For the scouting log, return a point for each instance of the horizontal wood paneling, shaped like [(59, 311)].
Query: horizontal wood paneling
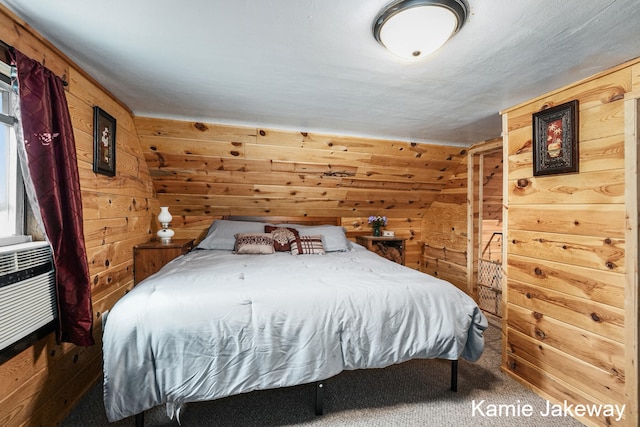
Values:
[(557, 391), (204, 171), (444, 253), (595, 317), (42, 384), (586, 251), (600, 187), (595, 285), (586, 220), (566, 253), (604, 386), (570, 339), (492, 174)]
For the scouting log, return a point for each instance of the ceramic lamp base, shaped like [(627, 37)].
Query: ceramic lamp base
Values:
[(165, 235)]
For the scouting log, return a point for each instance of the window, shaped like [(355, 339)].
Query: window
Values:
[(12, 202), (27, 282)]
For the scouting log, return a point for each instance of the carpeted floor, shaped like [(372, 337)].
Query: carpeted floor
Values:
[(414, 393)]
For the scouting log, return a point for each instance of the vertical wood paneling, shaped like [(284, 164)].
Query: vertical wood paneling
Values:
[(566, 325), (40, 385)]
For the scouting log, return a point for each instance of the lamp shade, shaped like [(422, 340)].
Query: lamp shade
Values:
[(164, 217), (413, 29)]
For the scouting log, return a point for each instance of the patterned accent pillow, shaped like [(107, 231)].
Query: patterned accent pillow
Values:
[(334, 238), (303, 245), (281, 236), (254, 243)]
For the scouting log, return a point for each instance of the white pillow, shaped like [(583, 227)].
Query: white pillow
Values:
[(334, 238), (222, 232)]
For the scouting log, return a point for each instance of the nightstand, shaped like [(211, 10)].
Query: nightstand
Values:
[(392, 248), (150, 257)]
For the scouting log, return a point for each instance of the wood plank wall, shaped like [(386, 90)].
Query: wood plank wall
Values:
[(444, 226), (203, 171), (492, 174), (565, 319), (40, 385)]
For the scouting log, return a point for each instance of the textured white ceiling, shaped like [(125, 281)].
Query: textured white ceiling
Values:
[(312, 65)]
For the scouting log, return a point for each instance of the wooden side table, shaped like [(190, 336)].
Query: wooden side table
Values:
[(392, 248), (150, 257)]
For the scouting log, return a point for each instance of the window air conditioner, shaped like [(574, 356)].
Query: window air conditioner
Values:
[(27, 291)]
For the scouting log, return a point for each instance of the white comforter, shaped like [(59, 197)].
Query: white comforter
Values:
[(212, 324)]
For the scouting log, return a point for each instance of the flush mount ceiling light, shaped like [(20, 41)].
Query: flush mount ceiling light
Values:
[(415, 28)]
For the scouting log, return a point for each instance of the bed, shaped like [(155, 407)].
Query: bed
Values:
[(261, 304)]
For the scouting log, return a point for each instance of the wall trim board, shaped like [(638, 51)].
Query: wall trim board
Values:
[(505, 236), (632, 238)]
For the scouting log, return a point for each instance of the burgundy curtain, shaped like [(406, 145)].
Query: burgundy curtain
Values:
[(53, 169)]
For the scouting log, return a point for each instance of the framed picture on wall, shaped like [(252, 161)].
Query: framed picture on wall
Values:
[(104, 142), (555, 139)]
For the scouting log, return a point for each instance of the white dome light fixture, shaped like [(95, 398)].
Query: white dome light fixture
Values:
[(413, 29)]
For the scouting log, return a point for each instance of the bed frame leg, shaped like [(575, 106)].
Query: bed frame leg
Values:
[(319, 397), (454, 375), (140, 419)]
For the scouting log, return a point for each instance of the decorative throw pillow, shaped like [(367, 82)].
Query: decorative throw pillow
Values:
[(334, 238), (303, 245), (254, 243), (281, 236)]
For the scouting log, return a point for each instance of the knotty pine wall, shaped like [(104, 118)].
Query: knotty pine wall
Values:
[(444, 225), (40, 385), (201, 171), (565, 322), (445, 231), (491, 176), (204, 171), (565, 317)]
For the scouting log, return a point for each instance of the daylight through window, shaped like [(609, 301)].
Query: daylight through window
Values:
[(11, 187)]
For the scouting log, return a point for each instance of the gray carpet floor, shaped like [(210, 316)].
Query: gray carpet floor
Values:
[(415, 393)]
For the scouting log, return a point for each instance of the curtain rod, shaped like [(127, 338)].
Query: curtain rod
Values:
[(4, 44)]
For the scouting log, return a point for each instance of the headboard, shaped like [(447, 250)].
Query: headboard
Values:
[(302, 220)]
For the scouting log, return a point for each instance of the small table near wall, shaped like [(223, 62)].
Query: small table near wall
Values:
[(150, 257), (392, 248)]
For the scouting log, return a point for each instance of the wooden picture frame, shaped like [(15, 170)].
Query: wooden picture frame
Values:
[(104, 142), (555, 139)]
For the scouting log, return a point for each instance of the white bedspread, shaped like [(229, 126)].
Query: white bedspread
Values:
[(212, 324)]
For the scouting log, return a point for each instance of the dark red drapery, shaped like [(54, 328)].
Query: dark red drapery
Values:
[(51, 156)]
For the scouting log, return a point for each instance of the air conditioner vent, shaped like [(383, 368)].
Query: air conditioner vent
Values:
[(27, 291)]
